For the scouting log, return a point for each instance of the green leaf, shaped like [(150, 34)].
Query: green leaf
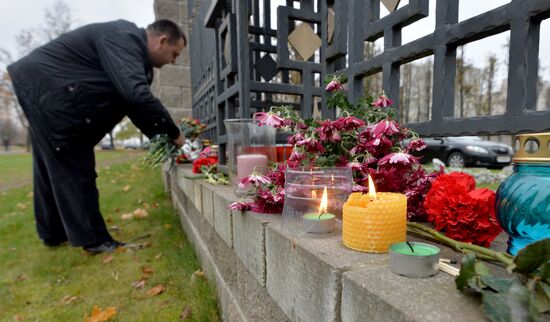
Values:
[(532, 256), (495, 307), (497, 284), (514, 305), (542, 297), (545, 272), (467, 272), (481, 269)]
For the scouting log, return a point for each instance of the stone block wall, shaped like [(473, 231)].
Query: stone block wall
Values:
[(261, 273), (172, 84)]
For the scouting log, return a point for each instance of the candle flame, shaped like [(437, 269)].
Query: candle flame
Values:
[(324, 202), (313, 194), (372, 190)]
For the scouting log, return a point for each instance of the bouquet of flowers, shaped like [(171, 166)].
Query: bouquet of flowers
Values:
[(365, 137), (190, 127), (162, 148)]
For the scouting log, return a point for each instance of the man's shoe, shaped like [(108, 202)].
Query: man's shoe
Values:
[(104, 247)]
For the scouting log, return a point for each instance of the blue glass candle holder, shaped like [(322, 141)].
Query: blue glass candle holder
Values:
[(523, 199)]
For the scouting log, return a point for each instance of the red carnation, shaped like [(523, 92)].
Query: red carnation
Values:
[(207, 161), (460, 211)]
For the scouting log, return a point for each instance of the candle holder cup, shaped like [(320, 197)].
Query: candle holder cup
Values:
[(303, 195), (523, 199), (249, 146)]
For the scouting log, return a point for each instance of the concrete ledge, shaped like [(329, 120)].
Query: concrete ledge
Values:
[(263, 273)]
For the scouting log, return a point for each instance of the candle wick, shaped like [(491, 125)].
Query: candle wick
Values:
[(410, 246)]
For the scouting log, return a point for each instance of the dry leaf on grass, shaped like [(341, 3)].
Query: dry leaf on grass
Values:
[(21, 206), (198, 275), (21, 277), (156, 290), (145, 205), (30, 194), (99, 315), (113, 181), (68, 299), (127, 216), (139, 284), (186, 313), (140, 213), (107, 259), (155, 204), (126, 188), (159, 255), (167, 226), (147, 270)]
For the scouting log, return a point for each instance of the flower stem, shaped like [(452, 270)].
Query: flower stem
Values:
[(480, 252)]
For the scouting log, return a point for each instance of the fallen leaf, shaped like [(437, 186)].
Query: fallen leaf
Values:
[(116, 209), (21, 206), (139, 284), (68, 299), (198, 274), (163, 304), (113, 181), (107, 167), (114, 228), (155, 204), (140, 213), (145, 205), (127, 216), (21, 278), (99, 315), (147, 270), (107, 259), (18, 318), (126, 188), (158, 256), (186, 313), (167, 226), (109, 220), (121, 250), (156, 290), (30, 194)]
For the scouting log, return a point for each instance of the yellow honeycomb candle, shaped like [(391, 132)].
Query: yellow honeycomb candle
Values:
[(374, 225)]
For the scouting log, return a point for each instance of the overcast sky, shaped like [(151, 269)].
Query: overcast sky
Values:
[(16, 15), (20, 14)]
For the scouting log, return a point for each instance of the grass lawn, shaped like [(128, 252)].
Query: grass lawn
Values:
[(17, 167), (64, 283)]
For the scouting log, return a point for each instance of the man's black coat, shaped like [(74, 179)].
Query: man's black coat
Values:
[(80, 85)]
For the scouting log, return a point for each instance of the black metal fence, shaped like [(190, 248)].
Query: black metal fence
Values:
[(243, 61)]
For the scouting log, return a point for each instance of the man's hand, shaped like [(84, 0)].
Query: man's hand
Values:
[(180, 140)]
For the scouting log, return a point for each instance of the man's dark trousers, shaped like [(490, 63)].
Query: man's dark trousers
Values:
[(66, 200)]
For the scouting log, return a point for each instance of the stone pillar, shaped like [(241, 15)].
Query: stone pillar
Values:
[(172, 83)]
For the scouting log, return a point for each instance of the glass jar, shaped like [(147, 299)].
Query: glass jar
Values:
[(304, 190), (523, 199), (249, 146)]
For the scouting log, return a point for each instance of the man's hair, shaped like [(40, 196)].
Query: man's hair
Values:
[(168, 28)]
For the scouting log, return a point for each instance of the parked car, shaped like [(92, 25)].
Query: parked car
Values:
[(131, 145), (467, 151), (107, 146)]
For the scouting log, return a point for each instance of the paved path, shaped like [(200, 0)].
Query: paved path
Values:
[(100, 164)]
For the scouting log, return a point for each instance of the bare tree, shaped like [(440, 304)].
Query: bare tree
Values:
[(462, 86), (57, 20), (490, 73)]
